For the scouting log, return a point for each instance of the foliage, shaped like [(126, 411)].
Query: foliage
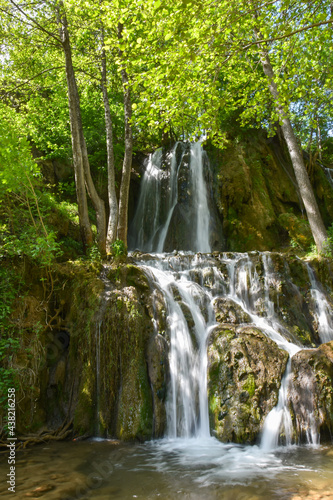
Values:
[(118, 248), (23, 206), (94, 254), (298, 230), (194, 68)]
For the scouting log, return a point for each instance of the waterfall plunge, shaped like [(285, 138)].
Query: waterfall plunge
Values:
[(189, 297)]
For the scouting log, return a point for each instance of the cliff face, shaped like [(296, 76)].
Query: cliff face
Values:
[(256, 194)]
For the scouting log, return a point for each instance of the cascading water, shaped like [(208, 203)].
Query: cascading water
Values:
[(173, 180), (199, 187), (99, 321), (244, 290), (190, 285), (187, 407)]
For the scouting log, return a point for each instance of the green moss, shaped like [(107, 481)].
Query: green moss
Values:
[(249, 385), (85, 414)]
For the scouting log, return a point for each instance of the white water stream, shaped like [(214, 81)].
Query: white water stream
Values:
[(159, 195)]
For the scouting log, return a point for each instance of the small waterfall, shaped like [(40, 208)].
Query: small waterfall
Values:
[(279, 418), (268, 276), (170, 181), (148, 209), (202, 210), (323, 311), (98, 331), (187, 405), (190, 285), (245, 290), (172, 200), (98, 382)]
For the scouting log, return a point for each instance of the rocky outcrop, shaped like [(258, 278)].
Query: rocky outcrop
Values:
[(311, 392), (256, 193), (98, 361), (158, 371), (95, 345), (244, 375), (228, 311)]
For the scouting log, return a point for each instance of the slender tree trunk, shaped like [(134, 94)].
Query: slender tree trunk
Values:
[(127, 163), (111, 234), (319, 142), (80, 154), (303, 181)]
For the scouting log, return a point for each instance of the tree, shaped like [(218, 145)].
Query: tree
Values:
[(314, 217), (42, 18)]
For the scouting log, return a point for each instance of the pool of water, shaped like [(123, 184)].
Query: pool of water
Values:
[(169, 469)]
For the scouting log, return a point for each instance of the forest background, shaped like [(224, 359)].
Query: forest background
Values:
[(89, 84)]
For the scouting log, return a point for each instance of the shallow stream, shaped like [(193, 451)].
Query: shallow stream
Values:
[(169, 469)]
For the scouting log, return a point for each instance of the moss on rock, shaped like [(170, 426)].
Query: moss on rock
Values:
[(244, 375)]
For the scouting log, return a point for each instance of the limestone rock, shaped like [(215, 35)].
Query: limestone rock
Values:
[(158, 370), (244, 376), (227, 311), (311, 391)]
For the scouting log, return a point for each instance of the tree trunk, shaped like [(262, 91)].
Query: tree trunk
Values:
[(111, 234), (127, 163), (319, 141), (303, 181), (85, 227), (80, 154)]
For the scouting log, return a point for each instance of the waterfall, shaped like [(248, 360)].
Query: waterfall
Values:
[(187, 405), (323, 311), (98, 381), (173, 180), (148, 208), (202, 210), (172, 199), (244, 290), (105, 296), (190, 284)]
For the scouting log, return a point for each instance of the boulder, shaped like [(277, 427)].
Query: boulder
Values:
[(244, 376), (311, 392)]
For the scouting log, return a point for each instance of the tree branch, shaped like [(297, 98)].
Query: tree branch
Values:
[(29, 80), (258, 42), (31, 19)]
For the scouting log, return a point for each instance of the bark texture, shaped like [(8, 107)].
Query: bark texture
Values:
[(127, 163), (111, 234), (83, 177)]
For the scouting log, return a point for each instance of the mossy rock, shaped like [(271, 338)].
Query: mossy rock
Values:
[(311, 391), (245, 369)]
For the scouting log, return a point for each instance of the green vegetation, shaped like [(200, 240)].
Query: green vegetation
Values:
[(9, 343), (147, 72)]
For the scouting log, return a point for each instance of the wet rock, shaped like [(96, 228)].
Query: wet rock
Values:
[(227, 311), (311, 392), (244, 376), (40, 491), (158, 370)]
